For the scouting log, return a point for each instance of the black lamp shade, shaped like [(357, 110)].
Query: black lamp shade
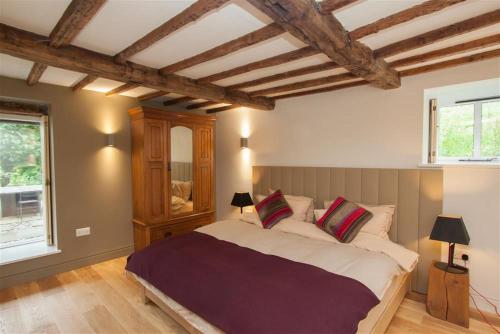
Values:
[(450, 229), (241, 199)]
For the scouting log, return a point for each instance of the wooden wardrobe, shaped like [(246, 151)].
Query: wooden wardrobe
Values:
[(173, 173)]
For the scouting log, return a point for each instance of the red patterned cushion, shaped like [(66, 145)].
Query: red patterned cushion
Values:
[(272, 209), (343, 219)]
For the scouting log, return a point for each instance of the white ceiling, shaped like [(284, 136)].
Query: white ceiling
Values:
[(119, 23)]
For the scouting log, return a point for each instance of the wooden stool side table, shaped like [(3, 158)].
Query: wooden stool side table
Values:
[(448, 293)]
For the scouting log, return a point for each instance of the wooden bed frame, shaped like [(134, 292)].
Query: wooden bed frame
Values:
[(376, 322), (416, 193)]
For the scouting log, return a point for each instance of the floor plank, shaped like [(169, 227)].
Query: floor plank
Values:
[(102, 299)]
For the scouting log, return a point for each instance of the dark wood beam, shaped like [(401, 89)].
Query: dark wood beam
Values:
[(151, 95), (328, 6), (268, 62), (189, 15), (35, 74), (451, 63), (449, 51), (405, 73), (84, 82), (73, 20), (322, 90), (249, 39), (436, 35), (122, 88), (382, 24), (178, 100), (304, 84), (436, 54), (286, 75), (22, 108), (201, 105), (27, 45), (406, 15), (219, 109), (302, 19)]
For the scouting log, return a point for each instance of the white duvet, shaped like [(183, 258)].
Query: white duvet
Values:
[(368, 259)]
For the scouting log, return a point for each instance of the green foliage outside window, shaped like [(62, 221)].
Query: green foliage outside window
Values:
[(490, 132), (20, 154), (456, 131)]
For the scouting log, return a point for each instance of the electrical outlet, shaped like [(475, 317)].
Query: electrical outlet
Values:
[(80, 232), (458, 254)]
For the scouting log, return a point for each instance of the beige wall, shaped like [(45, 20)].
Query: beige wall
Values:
[(92, 183), (362, 127)]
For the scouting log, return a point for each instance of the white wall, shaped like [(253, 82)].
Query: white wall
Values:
[(360, 127)]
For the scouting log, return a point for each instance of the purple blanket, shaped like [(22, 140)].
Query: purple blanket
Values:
[(240, 290)]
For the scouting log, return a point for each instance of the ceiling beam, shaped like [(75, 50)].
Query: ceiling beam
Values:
[(382, 24), (431, 55), (188, 15), (178, 100), (405, 73), (27, 45), (451, 63), (121, 89), (328, 6), (219, 109), (302, 19), (322, 90), (433, 36), (403, 16), (152, 95), (268, 62), (436, 54), (35, 74), (75, 17), (449, 51), (286, 75), (269, 31), (84, 82), (304, 84), (201, 105)]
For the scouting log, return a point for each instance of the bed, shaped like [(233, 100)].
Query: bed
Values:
[(383, 272)]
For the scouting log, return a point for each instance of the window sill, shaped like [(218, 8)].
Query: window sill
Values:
[(26, 252), (461, 164)]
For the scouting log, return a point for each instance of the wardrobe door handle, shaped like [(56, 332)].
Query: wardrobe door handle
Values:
[(168, 234)]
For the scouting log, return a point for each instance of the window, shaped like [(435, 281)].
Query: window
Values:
[(468, 131), (25, 210)]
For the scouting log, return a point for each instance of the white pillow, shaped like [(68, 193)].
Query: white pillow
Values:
[(378, 225), (302, 207)]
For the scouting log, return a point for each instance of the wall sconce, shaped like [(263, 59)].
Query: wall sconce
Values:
[(244, 142), (110, 140)]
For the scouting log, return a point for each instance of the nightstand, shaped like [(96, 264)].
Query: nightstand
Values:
[(448, 293)]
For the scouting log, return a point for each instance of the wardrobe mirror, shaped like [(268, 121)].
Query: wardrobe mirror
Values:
[(181, 164)]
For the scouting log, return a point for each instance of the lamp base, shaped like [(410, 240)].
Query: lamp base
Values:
[(455, 268)]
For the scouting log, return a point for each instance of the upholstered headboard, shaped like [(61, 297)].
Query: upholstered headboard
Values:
[(182, 171), (417, 194)]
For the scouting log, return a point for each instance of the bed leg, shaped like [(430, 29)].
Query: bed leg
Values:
[(145, 298)]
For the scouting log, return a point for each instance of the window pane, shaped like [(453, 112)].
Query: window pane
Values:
[(490, 133), (456, 131), (21, 191)]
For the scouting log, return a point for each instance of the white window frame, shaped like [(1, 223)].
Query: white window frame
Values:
[(434, 136)]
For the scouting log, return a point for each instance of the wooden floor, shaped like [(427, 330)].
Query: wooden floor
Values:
[(101, 299)]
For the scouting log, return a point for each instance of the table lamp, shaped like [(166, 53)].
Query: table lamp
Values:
[(452, 230), (241, 200)]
